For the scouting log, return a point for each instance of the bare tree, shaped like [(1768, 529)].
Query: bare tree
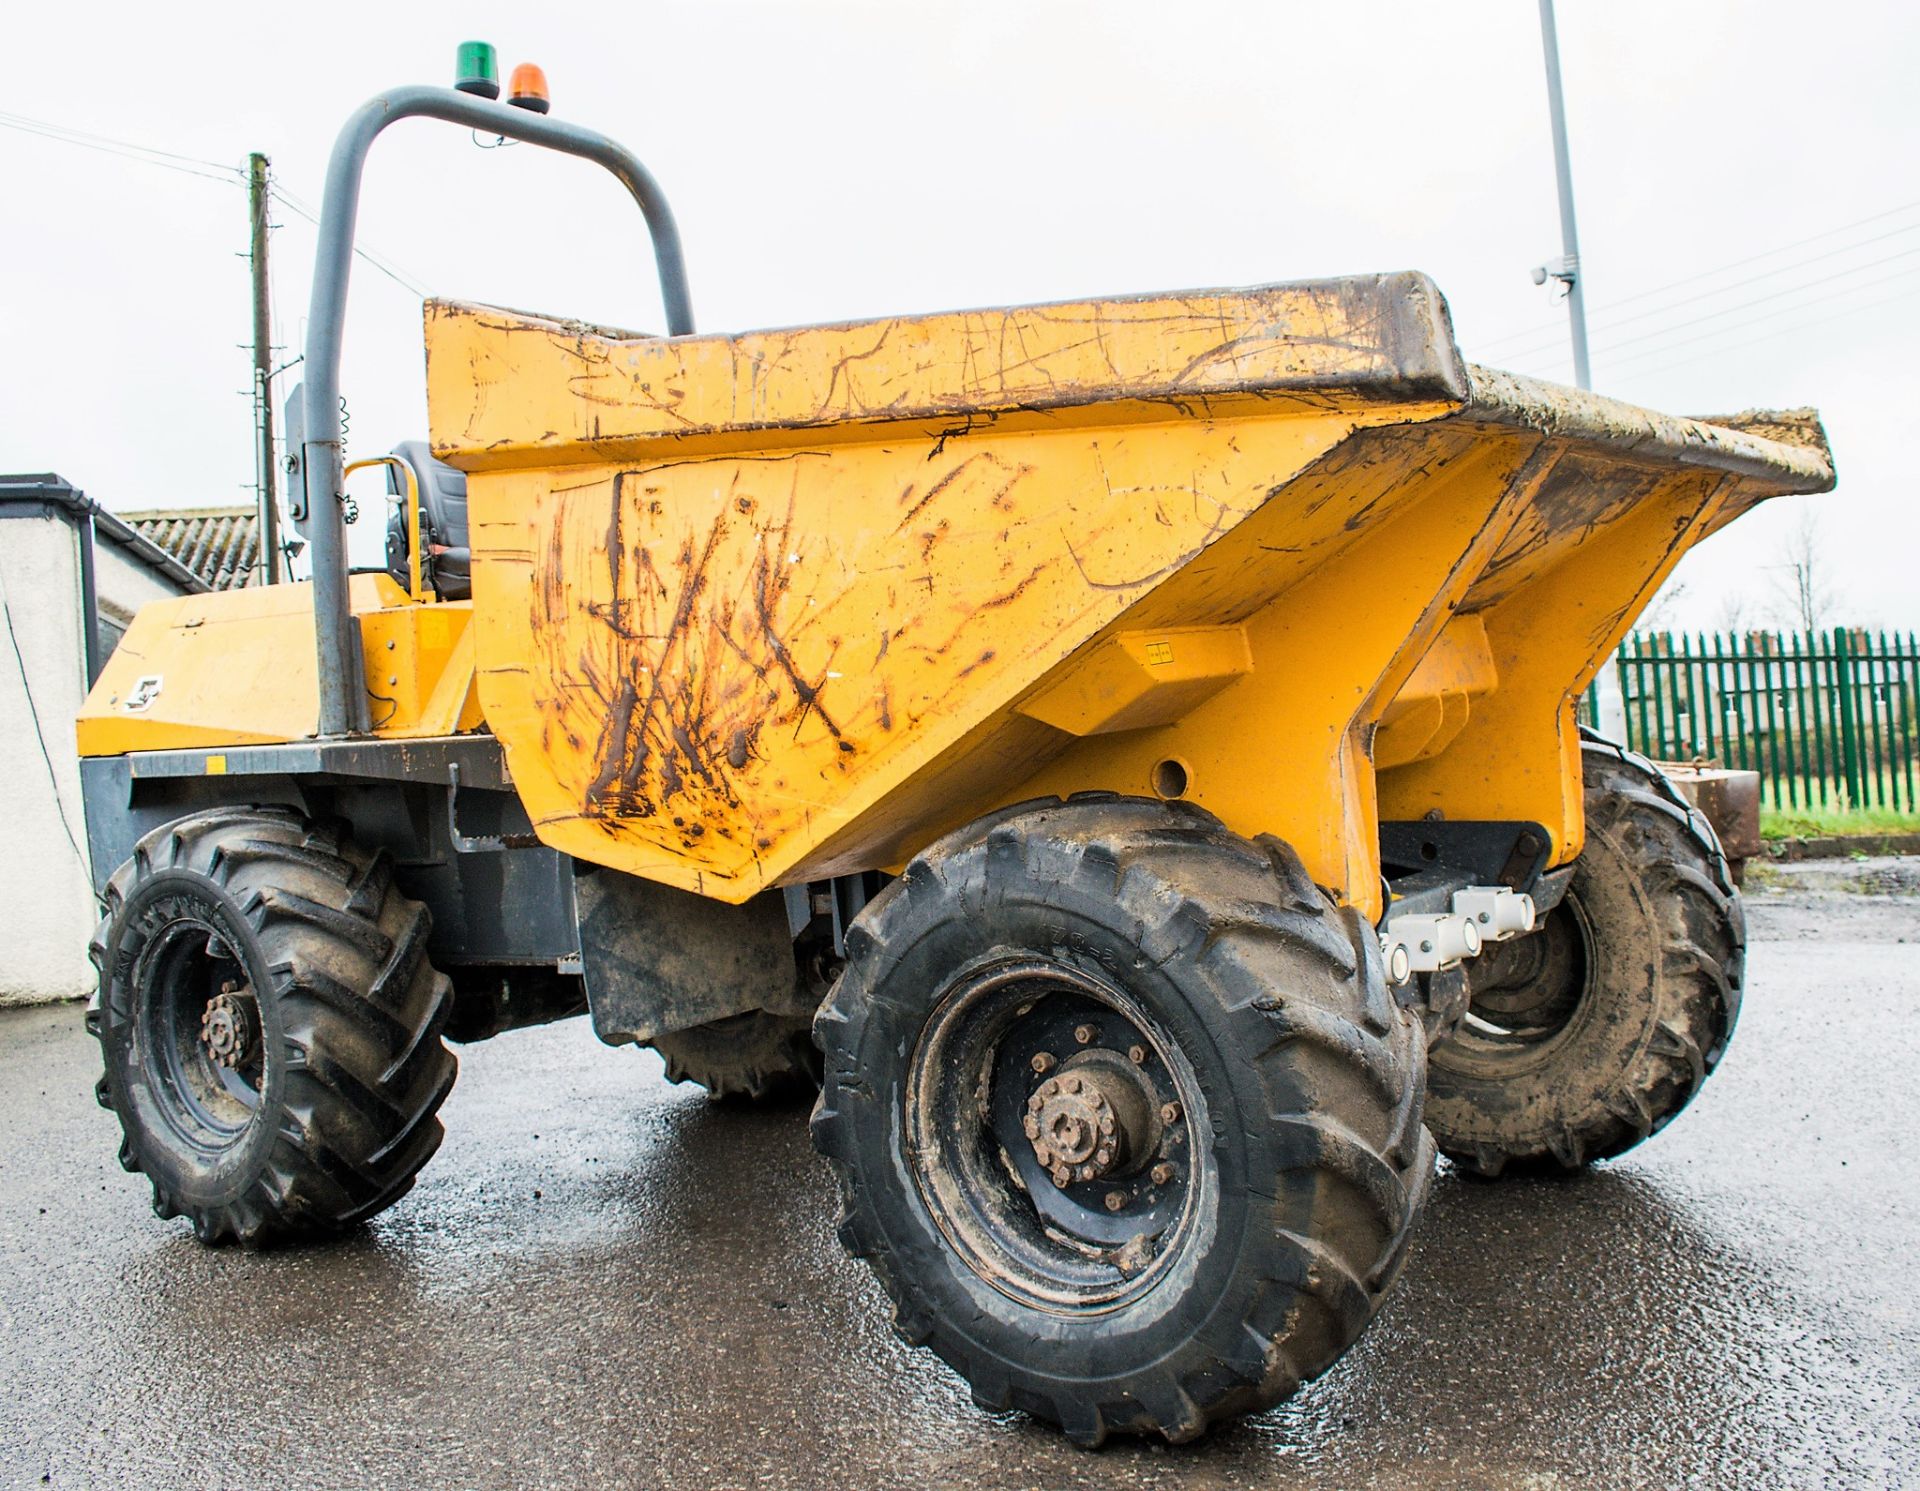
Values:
[(1802, 577), (1663, 611), (1735, 615)]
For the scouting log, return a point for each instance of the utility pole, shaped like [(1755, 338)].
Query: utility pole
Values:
[(268, 496), (1567, 270)]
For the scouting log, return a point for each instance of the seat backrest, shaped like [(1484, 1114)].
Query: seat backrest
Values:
[(447, 560)]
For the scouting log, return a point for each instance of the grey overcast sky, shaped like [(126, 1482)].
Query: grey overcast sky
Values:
[(838, 160)]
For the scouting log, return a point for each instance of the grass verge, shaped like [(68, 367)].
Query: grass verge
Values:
[(1835, 823)]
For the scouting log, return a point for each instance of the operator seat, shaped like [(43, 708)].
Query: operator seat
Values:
[(447, 562)]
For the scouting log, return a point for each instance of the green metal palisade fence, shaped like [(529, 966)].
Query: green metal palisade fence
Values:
[(1828, 719)]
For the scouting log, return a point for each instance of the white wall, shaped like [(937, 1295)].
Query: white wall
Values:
[(121, 585), (46, 899)]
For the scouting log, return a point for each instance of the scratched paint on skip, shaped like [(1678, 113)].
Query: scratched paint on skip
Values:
[(1294, 344), (738, 643), (727, 652)]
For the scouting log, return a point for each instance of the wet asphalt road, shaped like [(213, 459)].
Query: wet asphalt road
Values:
[(606, 1281)]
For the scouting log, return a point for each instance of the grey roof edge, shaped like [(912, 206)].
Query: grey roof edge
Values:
[(48, 490)]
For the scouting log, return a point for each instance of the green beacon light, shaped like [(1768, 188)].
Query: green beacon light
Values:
[(476, 69)]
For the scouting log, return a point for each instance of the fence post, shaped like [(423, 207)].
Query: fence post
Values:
[(1878, 735), (1772, 666), (1905, 703), (1792, 742), (1849, 727), (1828, 718)]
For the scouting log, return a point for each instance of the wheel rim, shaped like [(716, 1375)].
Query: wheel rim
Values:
[(1510, 1028), (1051, 1127), (201, 1026)]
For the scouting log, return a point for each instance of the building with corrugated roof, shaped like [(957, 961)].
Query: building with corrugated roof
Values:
[(219, 544)]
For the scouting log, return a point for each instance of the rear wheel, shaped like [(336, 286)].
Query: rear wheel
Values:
[(1591, 1034), (1125, 1119), (270, 1025), (758, 1057)]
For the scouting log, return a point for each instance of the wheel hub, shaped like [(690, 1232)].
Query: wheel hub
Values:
[(1065, 1171), (1071, 1124), (229, 1028), (1089, 1120)]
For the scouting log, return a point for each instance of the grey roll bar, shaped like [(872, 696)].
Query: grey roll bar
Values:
[(343, 703)]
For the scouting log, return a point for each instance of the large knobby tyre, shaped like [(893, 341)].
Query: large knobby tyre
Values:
[(270, 1024), (1124, 1117), (1591, 1034), (757, 1057)]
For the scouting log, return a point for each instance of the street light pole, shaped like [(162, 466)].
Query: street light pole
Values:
[(1567, 271)]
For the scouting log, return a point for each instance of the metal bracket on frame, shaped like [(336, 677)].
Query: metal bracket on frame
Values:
[(478, 843)]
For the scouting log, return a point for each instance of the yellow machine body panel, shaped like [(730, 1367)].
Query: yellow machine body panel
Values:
[(764, 608), (236, 667), (759, 609)]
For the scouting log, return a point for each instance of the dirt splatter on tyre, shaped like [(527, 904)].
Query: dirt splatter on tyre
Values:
[(1590, 1035), (757, 1057), (270, 1025), (1125, 1118)]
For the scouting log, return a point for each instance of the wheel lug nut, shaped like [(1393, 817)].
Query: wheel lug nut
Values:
[(1061, 1176), (1170, 1113), (1162, 1173), (1070, 1083), (1032, 1127), (1036, 1103), (1137, 1054), (1086, 1172), (1116, 1200), (1042, 1063), (1083, 1034)]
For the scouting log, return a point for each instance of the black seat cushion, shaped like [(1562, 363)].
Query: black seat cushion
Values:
[(447, 562)]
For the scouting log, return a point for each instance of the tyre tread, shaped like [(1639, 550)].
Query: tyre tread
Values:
[(1677, 856), (1248, 920), (366, 1069)]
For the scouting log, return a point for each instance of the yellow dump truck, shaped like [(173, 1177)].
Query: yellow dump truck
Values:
[(1124, 752)]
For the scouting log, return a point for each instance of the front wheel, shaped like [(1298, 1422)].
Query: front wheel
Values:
[(1124, 1116), (270, 1025), (1591, 1034)]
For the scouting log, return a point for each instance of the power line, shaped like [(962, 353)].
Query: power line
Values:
[(1769, 253), (206, 170), (1786, 310), (365, 251), (1542, 342), (1736, 264), (1663, 341), (1530, 334), (1813, 284), (186, 165), (48, 126), (1780, 331)]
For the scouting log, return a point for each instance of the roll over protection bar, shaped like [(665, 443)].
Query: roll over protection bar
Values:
[(343, 703)]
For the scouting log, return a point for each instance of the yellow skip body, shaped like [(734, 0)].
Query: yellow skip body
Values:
[(765, 608)]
